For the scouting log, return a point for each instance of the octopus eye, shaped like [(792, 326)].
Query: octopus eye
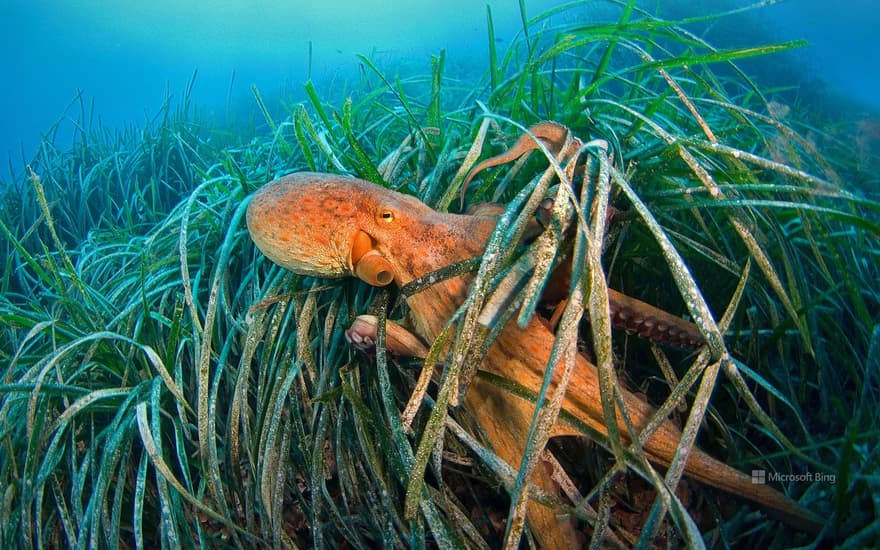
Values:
[(387, 216)]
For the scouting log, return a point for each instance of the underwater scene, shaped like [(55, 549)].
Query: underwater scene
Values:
[(505, 274)]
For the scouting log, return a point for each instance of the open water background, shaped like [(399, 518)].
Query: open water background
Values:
[(127, 54)]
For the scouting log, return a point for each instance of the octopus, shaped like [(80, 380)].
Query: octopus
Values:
[(326, 225)]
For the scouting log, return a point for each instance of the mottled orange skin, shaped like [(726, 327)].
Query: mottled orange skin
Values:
[(306, 221)]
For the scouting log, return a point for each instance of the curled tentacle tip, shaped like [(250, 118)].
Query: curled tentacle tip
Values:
[(464, 187), (364, 333)]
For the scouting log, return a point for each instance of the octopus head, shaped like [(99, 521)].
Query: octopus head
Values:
[(325, 225)]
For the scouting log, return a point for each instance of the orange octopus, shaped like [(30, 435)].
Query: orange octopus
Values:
[(333, 226)]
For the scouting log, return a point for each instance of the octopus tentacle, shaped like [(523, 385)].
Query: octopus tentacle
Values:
[(552, 134), (638, 317), (363, 332)]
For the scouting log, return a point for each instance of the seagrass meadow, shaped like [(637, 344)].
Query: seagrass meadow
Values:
[(164, 384)]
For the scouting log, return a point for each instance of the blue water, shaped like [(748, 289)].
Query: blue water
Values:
[(125, 54)]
